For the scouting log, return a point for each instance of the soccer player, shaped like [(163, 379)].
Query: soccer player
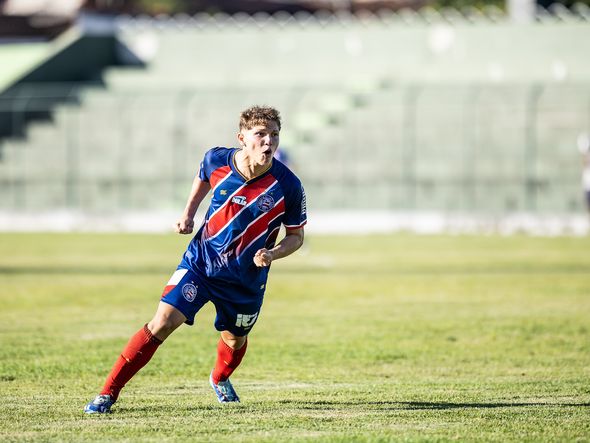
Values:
[(228, 260)]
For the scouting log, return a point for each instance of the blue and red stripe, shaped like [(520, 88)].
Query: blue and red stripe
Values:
[(259, 227), (227, 212)]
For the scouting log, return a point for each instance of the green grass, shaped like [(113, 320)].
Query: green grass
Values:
[(377, 338)]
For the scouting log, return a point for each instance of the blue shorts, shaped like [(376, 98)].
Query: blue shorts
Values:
[(188, 293)]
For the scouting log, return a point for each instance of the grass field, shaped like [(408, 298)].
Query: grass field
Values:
[(377, 338)]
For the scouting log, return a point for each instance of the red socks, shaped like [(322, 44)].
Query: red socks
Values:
[(142, 346), (138, 351), (228, 360)]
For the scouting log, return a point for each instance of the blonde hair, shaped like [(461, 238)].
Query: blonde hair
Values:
[(259, 115)]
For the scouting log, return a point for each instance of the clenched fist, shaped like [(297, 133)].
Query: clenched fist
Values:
[(263, 257), (184, 225)]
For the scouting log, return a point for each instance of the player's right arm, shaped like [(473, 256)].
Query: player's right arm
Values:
[(199, 191)]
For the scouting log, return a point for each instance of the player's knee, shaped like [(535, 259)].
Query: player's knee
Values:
[(162, 327), (165, 321), (233, 341)]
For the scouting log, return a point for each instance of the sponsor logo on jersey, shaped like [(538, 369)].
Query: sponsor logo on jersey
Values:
[(265, 202), (189, 292), (223, 192), (246, 321), (240, 200)]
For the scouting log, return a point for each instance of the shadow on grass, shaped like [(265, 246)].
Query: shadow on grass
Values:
[(327, 405), (445, 405), (413, 405)]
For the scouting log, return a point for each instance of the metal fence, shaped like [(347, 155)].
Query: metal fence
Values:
[(416, 147)]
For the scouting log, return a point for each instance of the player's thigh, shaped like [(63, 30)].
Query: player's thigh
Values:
[(186, 293)]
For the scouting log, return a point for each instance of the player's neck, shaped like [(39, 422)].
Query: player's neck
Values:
[(247, 167)]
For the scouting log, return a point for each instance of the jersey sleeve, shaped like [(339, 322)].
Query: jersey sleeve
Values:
[(208, 165), (295, 208)]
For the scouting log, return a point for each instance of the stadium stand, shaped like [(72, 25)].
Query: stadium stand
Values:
[(427, 111)]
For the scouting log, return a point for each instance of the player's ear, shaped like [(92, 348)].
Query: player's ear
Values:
[(241, 138)]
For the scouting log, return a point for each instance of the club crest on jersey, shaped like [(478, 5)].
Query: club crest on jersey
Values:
[(239, 199), (265, 202), (189, 292)]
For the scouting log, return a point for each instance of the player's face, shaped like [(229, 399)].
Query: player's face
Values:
[(260, 142)]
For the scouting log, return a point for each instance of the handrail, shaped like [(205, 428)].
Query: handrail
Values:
[(426, 15)]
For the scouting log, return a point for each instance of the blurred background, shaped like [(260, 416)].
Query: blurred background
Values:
[(455, 116)]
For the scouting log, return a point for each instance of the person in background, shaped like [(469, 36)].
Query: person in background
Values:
[(584, 148)]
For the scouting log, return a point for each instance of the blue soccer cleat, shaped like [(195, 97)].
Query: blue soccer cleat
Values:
[(100, 405), (224, 390)]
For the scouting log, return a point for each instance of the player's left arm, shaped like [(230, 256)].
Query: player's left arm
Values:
[(292, 241)]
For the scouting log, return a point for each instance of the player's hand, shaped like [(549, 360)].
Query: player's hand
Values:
[(263, 257), (184, 225)]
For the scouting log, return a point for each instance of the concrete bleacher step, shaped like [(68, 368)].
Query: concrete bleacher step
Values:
[(404, 115), (22, 159), (560, 197), (39, 196), (40, 132)]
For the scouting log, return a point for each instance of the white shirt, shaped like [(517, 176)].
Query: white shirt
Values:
[(586, 172), (586, 178)]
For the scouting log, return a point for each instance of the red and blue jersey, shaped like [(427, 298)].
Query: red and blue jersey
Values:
[(244, 216)]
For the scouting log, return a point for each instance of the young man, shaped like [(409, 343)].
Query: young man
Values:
[(228, 260)]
